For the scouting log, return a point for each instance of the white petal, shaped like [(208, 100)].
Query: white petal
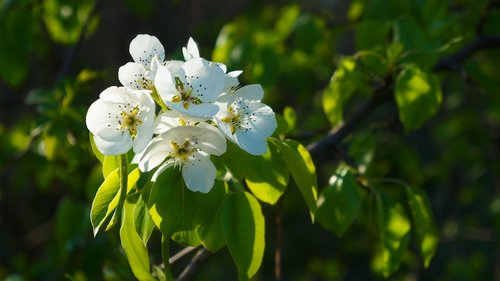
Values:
[(252, 92), (143, 137), (209, 140), (131, 75), (206, 79), (251, 143), (191, 52), (116, 147), (162, 168), (144, 47), (165, 84), (156, 151), (101, 121), (173, 66), (166, 121), (264, 122), (202, 110), (199, 173), (114, 94)]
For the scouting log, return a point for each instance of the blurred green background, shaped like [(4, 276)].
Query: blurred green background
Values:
[(56, 56)]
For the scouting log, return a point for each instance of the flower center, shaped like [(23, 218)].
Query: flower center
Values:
[(233, 119), (181, 152), (184, 94), (130, 121)]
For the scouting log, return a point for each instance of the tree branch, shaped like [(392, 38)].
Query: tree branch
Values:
[(193, 266), (480, 43), (336, 136), (184, 252)]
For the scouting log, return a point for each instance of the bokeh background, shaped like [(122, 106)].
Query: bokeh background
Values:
[(56, 56)]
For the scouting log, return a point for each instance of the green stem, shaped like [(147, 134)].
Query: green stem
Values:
[(165, 252), (156, 97), (122, 170)]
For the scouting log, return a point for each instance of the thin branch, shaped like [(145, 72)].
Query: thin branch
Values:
[(196, 262), (336, 136), (279, 240), (184, 252), (480, 43)]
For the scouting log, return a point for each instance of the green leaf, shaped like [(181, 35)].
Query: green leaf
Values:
[(339, 203), (211, 235), (266, 176), (302, 169), (144, 224), (290, 116), (394, 227), (243, 228), (109, 164), (106, 198), (65, 19), (342, 85), (371, 33), (423, 221), (132, 243), (417, 44), (96, 151), (418, 96), (179, 212)]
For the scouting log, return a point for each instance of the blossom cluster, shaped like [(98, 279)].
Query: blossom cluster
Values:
[(176, 114)]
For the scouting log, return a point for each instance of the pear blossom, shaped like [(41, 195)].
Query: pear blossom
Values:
[(171, 119), (186, 147), (148, 53), (244, 120), (193, 88), (191, 51), (121, 119)]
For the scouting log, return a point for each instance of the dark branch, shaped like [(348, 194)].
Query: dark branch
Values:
[(454, 60), (193, 266), (336, 136)]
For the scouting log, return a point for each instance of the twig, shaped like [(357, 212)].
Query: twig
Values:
[(480, 43), (193, 266), (184, 252), (335, 137), (279, 240)]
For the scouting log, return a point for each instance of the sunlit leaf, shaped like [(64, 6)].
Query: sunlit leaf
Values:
[(266, 176), (394, 227), (339, 203), (134, 246), (302, 169), (179, 212), (107, 196), (423, 220), (342, 85), (243, 228), (418, 96)]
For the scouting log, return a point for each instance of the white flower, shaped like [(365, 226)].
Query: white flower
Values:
[(245, 120), (148, 53), (171, 119), (121, 119), (191, 52), (193, 88), (189, 148)]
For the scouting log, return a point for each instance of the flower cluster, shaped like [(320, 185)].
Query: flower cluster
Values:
[(177, 113)]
